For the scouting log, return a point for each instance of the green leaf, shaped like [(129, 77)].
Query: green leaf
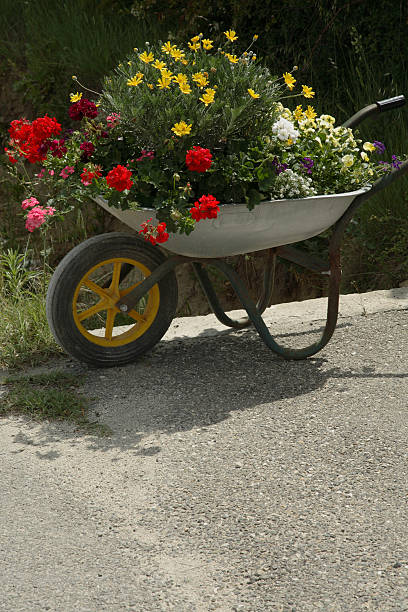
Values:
[(253, 198), (266, 174)]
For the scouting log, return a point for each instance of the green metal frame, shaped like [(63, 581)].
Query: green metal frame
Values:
[(331, 267)]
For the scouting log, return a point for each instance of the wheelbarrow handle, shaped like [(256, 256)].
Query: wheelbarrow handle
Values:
[(374, 109)]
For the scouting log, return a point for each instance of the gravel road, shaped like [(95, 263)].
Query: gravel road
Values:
[(233, 481)]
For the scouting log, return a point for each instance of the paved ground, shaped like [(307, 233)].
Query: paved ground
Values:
[(233, 480)]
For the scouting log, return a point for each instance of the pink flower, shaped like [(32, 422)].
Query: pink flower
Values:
[(65, 172), (113, 119), (29, 203), (144, 154), (51, 172), (41, 174), (35, 218)]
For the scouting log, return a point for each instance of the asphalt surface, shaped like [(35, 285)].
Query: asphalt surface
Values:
[(233, 480)]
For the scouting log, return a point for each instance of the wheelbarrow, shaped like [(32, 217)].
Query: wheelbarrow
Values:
[(113, 297)]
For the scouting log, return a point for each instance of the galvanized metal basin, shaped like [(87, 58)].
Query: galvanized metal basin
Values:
[(238, 230)]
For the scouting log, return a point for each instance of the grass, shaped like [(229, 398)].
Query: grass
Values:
[(25, 337), (47, 42), (52, 396)]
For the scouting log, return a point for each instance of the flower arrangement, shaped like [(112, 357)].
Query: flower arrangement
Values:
[(181, 130)]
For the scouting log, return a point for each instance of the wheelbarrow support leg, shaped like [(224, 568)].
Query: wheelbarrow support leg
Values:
[(262, 304), (259, 324)]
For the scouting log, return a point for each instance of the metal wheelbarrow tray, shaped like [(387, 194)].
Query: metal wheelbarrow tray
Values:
[(113, 297)]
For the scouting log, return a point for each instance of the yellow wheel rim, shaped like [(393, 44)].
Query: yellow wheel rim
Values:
[(93, 306)]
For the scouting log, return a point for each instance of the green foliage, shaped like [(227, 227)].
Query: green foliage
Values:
[(149, 114), (25, 337)]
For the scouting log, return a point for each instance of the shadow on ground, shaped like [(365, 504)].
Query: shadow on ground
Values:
[(193, 383)]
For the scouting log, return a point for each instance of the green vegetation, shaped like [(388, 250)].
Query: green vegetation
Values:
[(25, 338), (53, 396)]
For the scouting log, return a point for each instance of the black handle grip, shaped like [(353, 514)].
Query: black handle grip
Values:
[(374, 109), (385, 105)]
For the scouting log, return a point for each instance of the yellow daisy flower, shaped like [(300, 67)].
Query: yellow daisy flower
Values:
[(167, 74), (177, 54), (298, 112), (181, 79), (232, 58), (307, 91), (200, 79), (164, 82), (75, 97), (184, 61), (253, 94), (208, 97), (289, 80), (310, 112), (195, 46), (146, 57), (167, 47), (159, 65), (181, 128), (207, 44), (136, 80), (150, 85), (185, 88), (231, 35), (196, 38)]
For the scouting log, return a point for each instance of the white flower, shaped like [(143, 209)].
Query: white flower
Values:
[(327, 119), (290, 185), (285, 130)]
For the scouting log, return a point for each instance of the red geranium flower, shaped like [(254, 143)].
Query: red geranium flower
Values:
[(198, 159), (206, 208), (45, 127), (154, 234), (20, 129), (30, 139), (87, 176), (119, 178)]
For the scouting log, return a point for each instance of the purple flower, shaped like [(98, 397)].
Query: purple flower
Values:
[(307, 163), (379, 146), (396, 163), (279, 168)]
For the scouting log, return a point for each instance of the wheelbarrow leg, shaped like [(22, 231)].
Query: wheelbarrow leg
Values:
[(257, 320), (262, 304)]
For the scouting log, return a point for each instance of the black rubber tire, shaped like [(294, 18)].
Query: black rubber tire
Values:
[(67, 277)]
